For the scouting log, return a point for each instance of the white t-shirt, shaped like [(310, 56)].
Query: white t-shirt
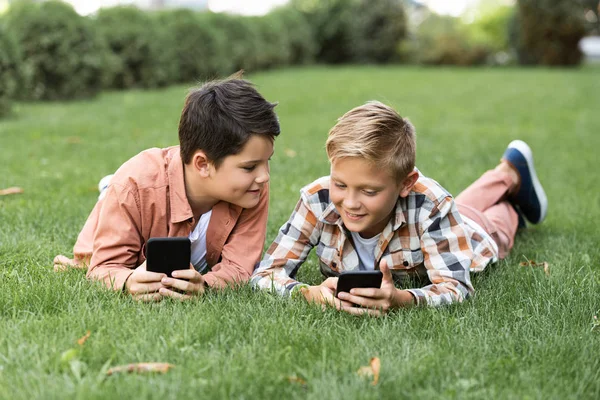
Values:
[(366, 250), (198, 240)]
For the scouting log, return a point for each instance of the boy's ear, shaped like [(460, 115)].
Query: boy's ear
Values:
[(201, 164), (408, 183)]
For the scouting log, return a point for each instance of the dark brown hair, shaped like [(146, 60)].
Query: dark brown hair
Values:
[(220, 117)]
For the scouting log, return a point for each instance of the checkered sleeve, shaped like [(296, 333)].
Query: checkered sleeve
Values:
[(295, 240), (447, 255)]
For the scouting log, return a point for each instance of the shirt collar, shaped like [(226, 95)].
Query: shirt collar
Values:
[(179, 205)]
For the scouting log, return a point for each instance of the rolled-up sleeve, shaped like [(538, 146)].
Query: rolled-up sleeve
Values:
[(447, 256), (117, 239)]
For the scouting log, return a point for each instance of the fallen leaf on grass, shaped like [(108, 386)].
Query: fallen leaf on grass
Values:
[(74, 140), (371, 370), (11, 190), (296, 379), (85, 337), (290, 153), (532, 263), (140, 367)]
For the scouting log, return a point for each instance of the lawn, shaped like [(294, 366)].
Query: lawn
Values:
[(526, 334)]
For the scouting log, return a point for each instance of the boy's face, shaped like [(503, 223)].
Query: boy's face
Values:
[(241, 177), (365, 196)]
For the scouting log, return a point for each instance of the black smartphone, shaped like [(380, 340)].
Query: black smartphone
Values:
[(168, 254), (358, 279)]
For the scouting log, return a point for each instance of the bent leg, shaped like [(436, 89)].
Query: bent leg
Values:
[(491, 188), (484, 202)]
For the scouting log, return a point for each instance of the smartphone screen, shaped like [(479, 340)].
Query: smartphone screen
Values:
[(358, 279), (168, 254)]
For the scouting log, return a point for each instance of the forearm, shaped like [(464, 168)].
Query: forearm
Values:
[(113, 277), (440, 294), (274, 278)]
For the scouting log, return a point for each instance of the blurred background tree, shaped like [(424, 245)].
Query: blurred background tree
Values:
[(10, 65), (547, 32)]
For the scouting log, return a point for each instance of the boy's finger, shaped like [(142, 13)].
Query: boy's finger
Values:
[(147, 276), (331, 283), (367, 292), (362, 311), (179, 284), (387, 274), (190, 274), (174, 295), (147, 298), (145, 288)]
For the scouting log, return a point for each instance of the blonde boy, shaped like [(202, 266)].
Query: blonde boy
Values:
[(376, 211)]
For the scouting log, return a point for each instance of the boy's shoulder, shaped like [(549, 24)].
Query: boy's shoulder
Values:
[(316, 195), (147, 168), (429, 189)]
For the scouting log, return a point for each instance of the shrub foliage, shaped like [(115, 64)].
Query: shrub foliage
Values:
[(62, 57)]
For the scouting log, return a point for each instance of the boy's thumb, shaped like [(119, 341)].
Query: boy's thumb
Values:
[(387, 274)]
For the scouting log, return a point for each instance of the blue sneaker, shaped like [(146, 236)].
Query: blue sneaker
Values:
[(531, 198)]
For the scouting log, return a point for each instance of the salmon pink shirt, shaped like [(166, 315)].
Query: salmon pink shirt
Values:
[(146, 198)]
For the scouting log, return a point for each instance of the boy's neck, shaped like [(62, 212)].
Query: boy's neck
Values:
[(195, 190)]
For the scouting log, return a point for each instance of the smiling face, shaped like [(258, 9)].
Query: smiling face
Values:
[(240, 178), (365, 196)]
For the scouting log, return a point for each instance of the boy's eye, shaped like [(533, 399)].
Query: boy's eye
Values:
[(249, 169), (340, 185), (369, 192)]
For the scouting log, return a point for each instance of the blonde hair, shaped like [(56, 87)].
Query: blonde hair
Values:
[(376, 133)]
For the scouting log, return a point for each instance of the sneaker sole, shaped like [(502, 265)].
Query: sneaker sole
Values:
[(522, 147)]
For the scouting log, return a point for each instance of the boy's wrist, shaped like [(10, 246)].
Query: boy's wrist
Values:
[(404, 298)]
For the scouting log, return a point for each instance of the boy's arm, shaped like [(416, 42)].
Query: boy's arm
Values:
[(447, 256), (243, 247), (117, 239), (296, 238)]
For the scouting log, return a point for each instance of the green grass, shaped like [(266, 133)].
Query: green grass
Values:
[(524, 335)]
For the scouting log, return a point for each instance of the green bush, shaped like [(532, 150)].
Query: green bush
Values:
[(197, 45), (492, 28), (444, 40), (243, 40), (9, 70), (299, 36), (378, 29), (547, 32), (62, 58), (140, 47), (331, 22), (274, 50)]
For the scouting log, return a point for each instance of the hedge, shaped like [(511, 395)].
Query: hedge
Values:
[(62, 57)]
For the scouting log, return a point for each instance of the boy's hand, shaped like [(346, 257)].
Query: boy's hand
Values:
[(184, 284), (144, 285), (377, 301), (324, 294)]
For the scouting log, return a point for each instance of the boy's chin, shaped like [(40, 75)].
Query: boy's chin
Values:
[(245, 203)]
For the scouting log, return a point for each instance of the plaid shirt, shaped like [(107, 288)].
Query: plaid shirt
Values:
[(426, 238)]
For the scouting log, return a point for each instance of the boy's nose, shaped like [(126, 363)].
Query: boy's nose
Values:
[(263, 177), (350, 203)]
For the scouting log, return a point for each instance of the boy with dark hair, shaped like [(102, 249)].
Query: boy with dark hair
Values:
[(376, 211), (212, 188)]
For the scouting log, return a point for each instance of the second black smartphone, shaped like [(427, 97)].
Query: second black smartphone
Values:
[(358, 279), (168, 254)]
